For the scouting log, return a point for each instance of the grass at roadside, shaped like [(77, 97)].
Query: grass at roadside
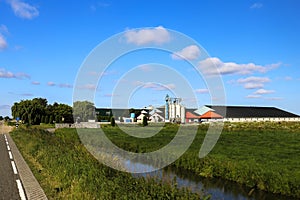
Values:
[(66, 170)]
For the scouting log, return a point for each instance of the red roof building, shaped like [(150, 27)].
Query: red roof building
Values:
[(210, 115)]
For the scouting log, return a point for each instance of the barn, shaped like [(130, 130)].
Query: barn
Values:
[(253, 113)]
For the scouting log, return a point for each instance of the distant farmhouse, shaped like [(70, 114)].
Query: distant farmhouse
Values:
[(173, 111)]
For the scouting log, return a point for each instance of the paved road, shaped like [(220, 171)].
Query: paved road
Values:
[(10, 184)]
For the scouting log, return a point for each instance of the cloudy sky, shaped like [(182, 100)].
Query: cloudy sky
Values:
[(251, 45)]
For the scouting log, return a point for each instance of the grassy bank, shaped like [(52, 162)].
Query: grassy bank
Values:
[(66, 170), (263, 156)]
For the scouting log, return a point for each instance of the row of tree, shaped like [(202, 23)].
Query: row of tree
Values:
[(38, 111), (6, 118)]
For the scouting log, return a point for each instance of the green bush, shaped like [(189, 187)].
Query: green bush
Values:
[(112, 121), (145, 121)]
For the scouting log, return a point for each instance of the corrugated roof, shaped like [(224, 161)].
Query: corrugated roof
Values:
[(155, 110), (203, 110), (251, 112), (211, 115), (190, 115)]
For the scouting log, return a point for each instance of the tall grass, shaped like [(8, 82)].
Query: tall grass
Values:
[(66, 170), (261, 155)]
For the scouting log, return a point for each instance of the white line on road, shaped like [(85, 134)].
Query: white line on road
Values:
[(14, 167), (8, 148), (10, 155), (21, 191)]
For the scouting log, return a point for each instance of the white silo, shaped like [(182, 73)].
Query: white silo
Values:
[(182, 114)]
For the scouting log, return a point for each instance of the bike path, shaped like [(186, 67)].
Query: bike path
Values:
[(16, 179)]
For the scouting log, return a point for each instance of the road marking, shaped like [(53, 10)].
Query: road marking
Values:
[(19, 184), (14, 167), (21, 191), (10, 155)]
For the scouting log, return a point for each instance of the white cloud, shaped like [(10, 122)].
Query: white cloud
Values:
[(3, 43), (35, 83), (65, 85), (288, 78), (97, 5), (88, 87), (106, 73), (263, 91), (256, 6), (215, 66), (274, 98), (157, 35), (50, 83), (4, 29), (253, 82), (22, 75), (252, 96), (253, 85), (23, 10), (202, 91), (111, 95), (254, 79), (191, 52), (7, 74)]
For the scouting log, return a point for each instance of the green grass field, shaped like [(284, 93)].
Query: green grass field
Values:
[(66, 170), (260, 155)]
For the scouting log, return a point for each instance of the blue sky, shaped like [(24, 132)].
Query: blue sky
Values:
[(253, 44)]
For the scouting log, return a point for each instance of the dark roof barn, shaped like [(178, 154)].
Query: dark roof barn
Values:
[(252, 112)]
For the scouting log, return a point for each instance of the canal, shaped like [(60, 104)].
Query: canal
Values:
[(217, 188)]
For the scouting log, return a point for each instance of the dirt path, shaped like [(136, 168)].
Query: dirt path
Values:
[(4, 128)]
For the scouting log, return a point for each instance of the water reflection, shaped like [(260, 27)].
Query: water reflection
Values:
[(218, 188)]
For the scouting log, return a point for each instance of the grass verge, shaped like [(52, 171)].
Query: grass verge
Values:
[(66, 170)]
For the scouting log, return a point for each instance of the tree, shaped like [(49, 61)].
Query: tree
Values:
[(36, 110), (43, 119), (51, 119), (145, 121), (1, 117), (84, 110), (57, 119), (46, 119), (112, 121), (30, 111)]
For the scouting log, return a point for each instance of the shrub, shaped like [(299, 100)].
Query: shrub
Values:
[(145, 121), (112, 121)]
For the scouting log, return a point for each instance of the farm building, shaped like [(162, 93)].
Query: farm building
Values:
[(253, 113), (174, 111)]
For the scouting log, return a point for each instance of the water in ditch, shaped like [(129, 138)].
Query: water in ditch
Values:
[(215, 187)]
